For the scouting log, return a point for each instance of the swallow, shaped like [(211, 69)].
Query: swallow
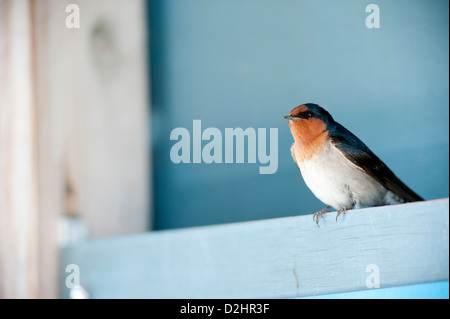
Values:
[(338, 167)]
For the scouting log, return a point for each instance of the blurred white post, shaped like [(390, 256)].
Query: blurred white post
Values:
[(91, 89), (19, 222), (73, 133)]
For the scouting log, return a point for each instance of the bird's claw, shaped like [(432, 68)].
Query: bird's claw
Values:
[(320, 213), (344, 209)]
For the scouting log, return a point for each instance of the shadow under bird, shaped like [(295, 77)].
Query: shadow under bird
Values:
[(338, 167)]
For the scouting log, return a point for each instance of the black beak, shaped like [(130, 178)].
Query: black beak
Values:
[(290, 117)]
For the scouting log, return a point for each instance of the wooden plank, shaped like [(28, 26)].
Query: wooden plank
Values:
[(18, 185), (91, 93), (92, 98), (284, 257), (429, 290)]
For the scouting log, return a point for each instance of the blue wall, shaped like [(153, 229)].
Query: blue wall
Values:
[(246, 63)]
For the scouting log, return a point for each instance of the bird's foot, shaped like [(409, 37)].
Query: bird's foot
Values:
[(344, 209), (320, 213)]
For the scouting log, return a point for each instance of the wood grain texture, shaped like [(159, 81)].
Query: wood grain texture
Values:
[(284, 257), (73, 132), (91, 94), (92, 97), (18, 171)]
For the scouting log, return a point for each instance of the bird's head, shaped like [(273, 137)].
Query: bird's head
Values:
[(308, 121), (309, 111)]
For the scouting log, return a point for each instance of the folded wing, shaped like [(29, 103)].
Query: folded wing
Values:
[(364, 159)]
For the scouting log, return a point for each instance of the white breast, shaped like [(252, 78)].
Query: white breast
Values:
[(337, 182)]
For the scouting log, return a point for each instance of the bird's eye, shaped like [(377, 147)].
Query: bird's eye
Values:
[(309, 114)]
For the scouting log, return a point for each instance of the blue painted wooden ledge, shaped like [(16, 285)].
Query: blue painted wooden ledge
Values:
[(287, 257)]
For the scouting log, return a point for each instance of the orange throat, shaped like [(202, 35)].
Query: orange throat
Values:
[(310, 137)]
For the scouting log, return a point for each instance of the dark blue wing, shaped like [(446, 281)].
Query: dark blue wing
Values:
[(362, 157)]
